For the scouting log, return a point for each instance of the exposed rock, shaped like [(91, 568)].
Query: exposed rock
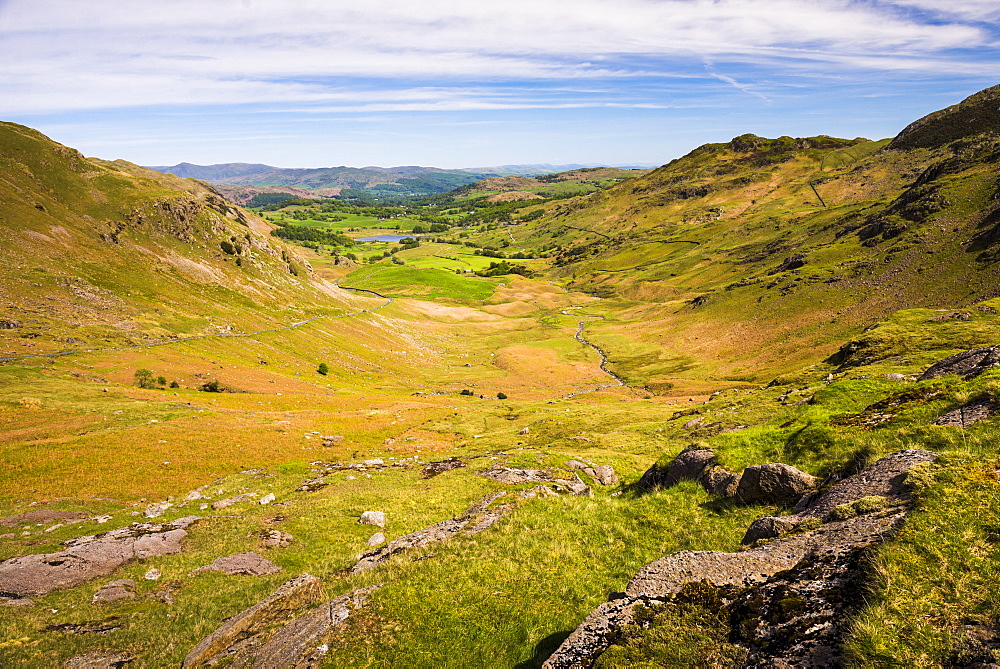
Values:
[(971, 413), (156, 510), (19, 602), (106, 595), (297, 643), (477, 518), (718, 481), (90, 557), (967, 364), (661, 579), (688, 465), (100, 661), (241, 564), (694, 422), (774, 483), (153, 574), (575, 464), (276, 539), (524, 430), (40, 516), (376, 539), (895, 376), (372, 518), (605, 475), (195, 494), (514, 476), (332, 440), (768, 528), (229, 501), (290, 598), (8, 324), (102, 626), (797, 589), (267, 499), (374, 462), (432, 469)]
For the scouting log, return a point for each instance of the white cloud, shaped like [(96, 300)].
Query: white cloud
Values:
[(66, 54)]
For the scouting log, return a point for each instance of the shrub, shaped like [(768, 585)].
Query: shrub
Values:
[(174, 384), (323, 369), (467, 392), (501, 396), (161, 380), (212, 386)]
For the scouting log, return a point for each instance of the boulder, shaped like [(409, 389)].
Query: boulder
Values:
[(156, 510), (774, 483), (106, 595), (575, 464), (293, 596), (267, 499), (376, 539), (229, 501), (967, 364), (372, 518), (153, 574), (241, 564), (768, 528), (374, 462), (718, 481), (90, 557), (524, 430), (688, 465), (605, 475)]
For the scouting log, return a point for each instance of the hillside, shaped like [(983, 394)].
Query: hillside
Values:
[(740, 410)]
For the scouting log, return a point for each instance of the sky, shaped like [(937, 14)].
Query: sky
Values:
[(474, 83)]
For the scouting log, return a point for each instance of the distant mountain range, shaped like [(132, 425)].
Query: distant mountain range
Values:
[(240, 181)]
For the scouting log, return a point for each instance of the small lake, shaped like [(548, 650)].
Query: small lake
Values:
[(386, 238)]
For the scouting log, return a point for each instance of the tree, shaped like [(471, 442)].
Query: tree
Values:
[(501, 396), (144, 378), (323, 369)]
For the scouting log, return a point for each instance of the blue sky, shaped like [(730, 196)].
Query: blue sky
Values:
[(315, 83)]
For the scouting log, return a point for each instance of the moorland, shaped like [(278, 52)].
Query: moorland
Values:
[(257, 378)]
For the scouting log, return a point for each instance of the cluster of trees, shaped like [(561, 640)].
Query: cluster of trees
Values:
[(301, 233)]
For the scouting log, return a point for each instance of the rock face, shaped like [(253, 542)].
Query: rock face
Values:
[(289, 599), (87, 558), (967, 364), (773, 483), (241, 564), (786, 598), (477, 518), (971, 413)]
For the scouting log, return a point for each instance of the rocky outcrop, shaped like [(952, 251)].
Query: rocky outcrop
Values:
[(884, 478), (967, 364), (100, 660), (288, 600), (241, 564), (297, 643), (965, 416), (90, 557), (280, 631), (376, 518), (786, 598), (432, 469), (771, 483), (514, 476), (112, 591), (477, 518)]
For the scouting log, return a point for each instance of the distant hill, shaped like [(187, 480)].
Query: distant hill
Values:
[(241, 181)]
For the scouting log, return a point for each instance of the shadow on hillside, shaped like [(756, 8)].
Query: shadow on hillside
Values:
[(542, 650)]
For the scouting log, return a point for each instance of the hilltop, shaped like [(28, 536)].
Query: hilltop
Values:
[(736, 410)]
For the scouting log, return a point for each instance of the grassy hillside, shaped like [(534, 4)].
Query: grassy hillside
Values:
[(775, 299)]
